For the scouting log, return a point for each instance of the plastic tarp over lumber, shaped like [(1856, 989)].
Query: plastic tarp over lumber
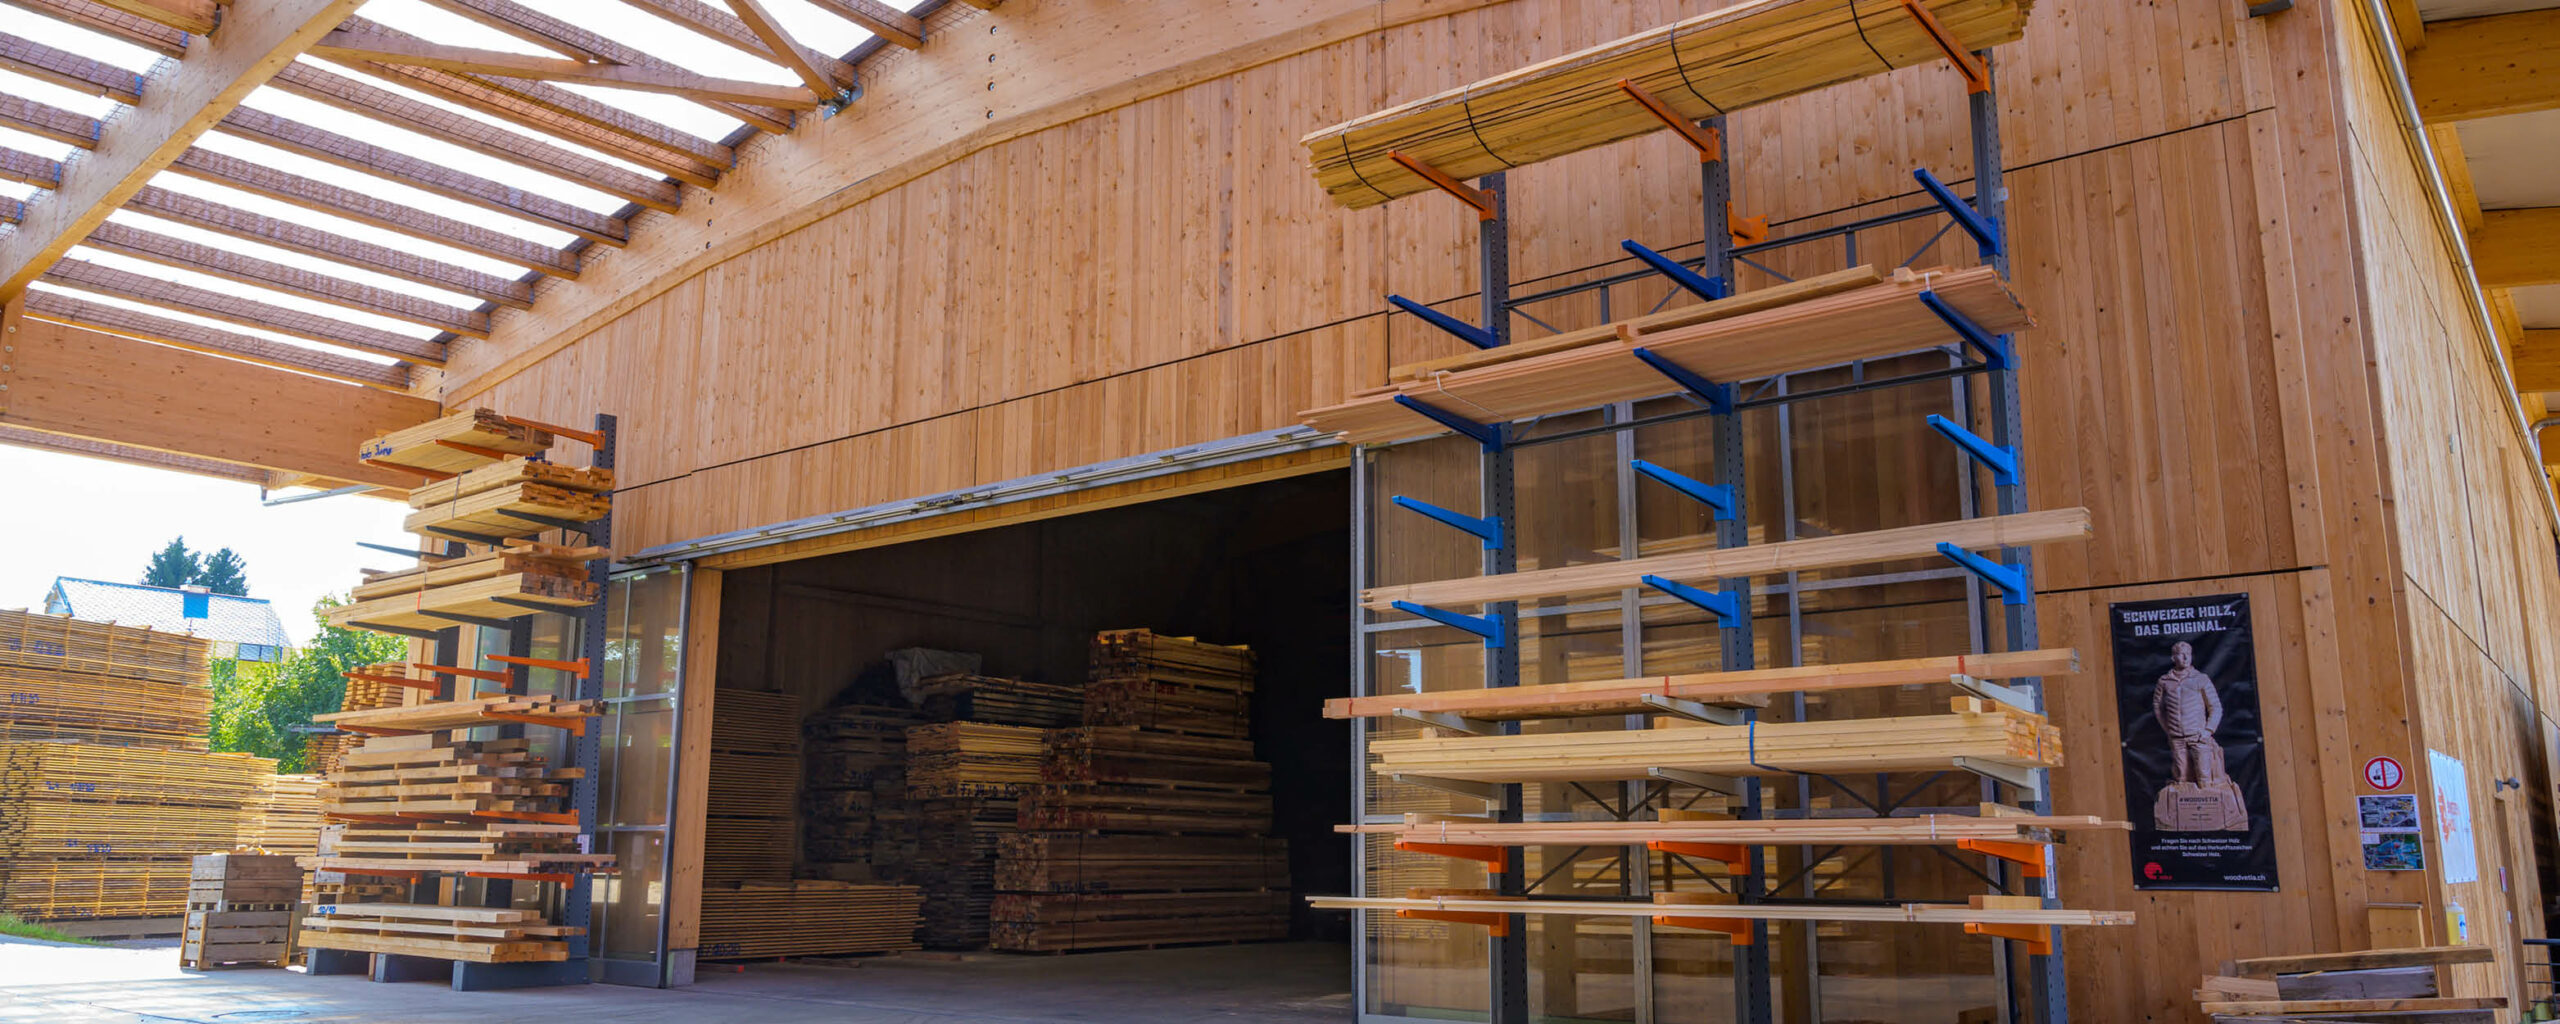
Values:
[(1825, 330), (1700, 67)]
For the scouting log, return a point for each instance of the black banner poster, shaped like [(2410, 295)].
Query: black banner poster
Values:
[(2195, 764)]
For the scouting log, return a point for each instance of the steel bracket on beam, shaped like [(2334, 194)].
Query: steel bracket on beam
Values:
[(1485, 791), (1986, 233), (481, 621), (1487, 626), (2028, 780), (1480, 337), (423, 556), (1725, 784), (465, 536), (2012, 583), (554, 522), (415, 634), (1995, 350), (1996, 693), (1700, 285), (1485, 528), (1715, 497), (1719, 397), (1451, 721), (2002, 461), (1690, 709), (537, 606), (1727, 608), (1487, 434)]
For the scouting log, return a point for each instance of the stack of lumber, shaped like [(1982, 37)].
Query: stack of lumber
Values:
[(807, 918), (467, 713), (239, 911), (509, 473), (1130, 755), (455, 444), (64, 678), (491, 513), (531, 558), (1882, 319), (286, 818), (477, 934), (1916, 743), (1741, 56), (853, 797), (957, 839), (327, 750), (2398, 985), (1034, 923), (960, 697), (1120, 807), (454, 779), (1071, 862), (1169, 684), (480, 598), (971, 759), (749, 835), (91, 831)]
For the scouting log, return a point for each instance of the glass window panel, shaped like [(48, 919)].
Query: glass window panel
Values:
[(641, 755), (628, 901)]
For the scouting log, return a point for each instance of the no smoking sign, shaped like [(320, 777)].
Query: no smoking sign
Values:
[(2384, 773)]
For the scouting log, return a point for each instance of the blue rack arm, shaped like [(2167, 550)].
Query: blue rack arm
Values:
[(1727, 609), (1487, 434), (1485, 528), (1487, 626), (1995, 351), (2012, 583), (1985, 231), (1719, 397), (1716, 497), (1700, 285), (1480, 337), (2002, 461)]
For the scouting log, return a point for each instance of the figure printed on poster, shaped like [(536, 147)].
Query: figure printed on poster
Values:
[(2193, 743)]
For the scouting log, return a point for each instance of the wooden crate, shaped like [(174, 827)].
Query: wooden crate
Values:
[(235, 938)]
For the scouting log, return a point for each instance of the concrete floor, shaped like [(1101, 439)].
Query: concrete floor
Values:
[(139, 983)]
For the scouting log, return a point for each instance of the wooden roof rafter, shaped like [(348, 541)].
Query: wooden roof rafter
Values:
[(719, 25), (108, 21), (570, 117), (363, 47), (69, 70), (780, 47), (64, 307), (192, 16), (153, 247), (231, 309), (205, 214), (322, 197), (533, 26)]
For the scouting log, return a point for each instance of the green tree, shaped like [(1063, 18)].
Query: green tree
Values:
[(224, 573), (174, 566), (257, 705)]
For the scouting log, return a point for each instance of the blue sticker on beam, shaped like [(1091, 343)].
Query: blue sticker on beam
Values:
[(1728, 610), (1995, 352), (1471, 334), (1715, 497), (2003, 462), (1719, 397), (1487, 626), (2012, 583), (1486, 529), (1487, 434), (1709, 288), (1985, 232)]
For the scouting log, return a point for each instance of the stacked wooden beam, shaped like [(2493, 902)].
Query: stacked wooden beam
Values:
[(66, 644), (286, 819), (421, 776), (477, 934), (531, 558), (853, 804), (1129, 755), (1700, 67), (91, 831), (64, 678), (327, 750), (748, 835), (971, 759), (466, 713), (2404, 986), (496, 597), (457, 443), (508, 511), (957, 839), (239, 911), (1878, 320), (1169, 684), (508, 473), (960, 697), (807, 918), (1917, 743)]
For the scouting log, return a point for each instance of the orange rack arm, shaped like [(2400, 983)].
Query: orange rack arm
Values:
[(1976, 77), (408, 681), (1498, 856), (454, 670), (586, 437), (1707, 141), (578, 667), (2029, 856), (1729, 853), (1480, 198), (1734, 928), (2038, 938), (1498, 924)]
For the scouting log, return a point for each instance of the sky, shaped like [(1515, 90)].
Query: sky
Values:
[(74, 516)]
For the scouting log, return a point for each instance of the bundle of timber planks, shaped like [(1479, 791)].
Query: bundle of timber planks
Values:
[(508, 473), (286, 818), (955, 864), (518, 557), (239, 911), (1169, 684), (1131, 755), (1916, 743), (1060, 923), (66, 644), (503, 596), (466, 713), (807, 918), (70, 679), (853, 804), (1886, 318), (961, 697), (327, 750), (755, 770), (1700, 67), (477, 934), (515, 510), (90, 831), (2398, 985), (965, 759), (457, 443)]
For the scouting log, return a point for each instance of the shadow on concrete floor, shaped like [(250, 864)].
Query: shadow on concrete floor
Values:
[(1280, 983)]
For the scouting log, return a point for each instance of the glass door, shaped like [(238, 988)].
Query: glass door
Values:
[(643, 670)]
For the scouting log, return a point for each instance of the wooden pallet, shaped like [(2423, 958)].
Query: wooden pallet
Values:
[(455, 444), (1701, 67)]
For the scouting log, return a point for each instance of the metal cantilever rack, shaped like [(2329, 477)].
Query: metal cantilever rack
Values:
[(575, 899), (2028, 967)]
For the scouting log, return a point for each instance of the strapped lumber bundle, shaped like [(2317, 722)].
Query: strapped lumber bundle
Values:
[(64, 678), (529, 558), (327, 750), (1116, 807), (497, 597), (1626, 696), (455, 444), (1700, 67), (65, 644), (754, 791), (507, 473), (853, 803), (478, 934), (1169, 684), (1149, 654), (382, 779), (90, 831), (1130, 755), (961, 697), (239, 911), (493, 513), (1879, 320), (86, 888), (807, 918), (965, 759), (1916, 743)]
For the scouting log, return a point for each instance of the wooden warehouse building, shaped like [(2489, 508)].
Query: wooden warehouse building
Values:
[(1013, 323)]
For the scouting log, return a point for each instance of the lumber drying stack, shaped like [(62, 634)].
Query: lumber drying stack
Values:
[(286, 818), (92, 831), (855, 822), (325, 750), (964, 783), (748, 835), (239, 911), (808, 917), (1141, 835), (64, 678), (961, 697)]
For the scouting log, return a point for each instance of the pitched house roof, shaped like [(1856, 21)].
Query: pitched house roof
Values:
[(217, 617)]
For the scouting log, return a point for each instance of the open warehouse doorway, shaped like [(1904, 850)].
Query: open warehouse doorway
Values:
[(916, 714)]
